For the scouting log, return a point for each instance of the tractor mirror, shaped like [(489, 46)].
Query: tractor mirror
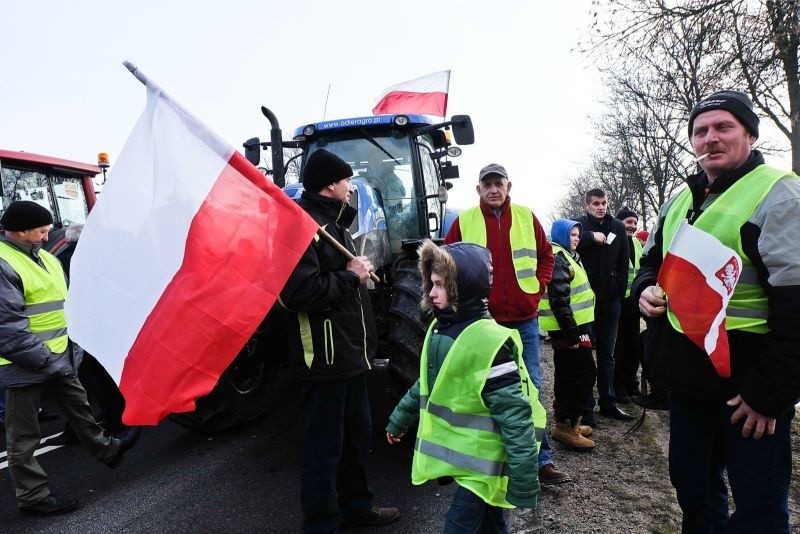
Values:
[(252, 150), (462, 129)]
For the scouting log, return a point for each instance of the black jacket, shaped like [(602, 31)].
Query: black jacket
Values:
[(558, 293), (765, 368), (606, 264), (332, 327)]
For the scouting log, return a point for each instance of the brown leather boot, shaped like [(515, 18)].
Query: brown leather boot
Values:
[(569, 434), (585, 430)]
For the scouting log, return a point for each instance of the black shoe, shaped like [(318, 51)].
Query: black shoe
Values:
[(615, 412), (652, 401), (372, 516), (50, 505), (127, 439), (623, 399)]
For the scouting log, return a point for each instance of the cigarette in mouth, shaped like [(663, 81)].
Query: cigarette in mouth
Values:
[(701, 158)]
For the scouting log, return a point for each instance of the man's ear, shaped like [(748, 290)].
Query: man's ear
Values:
[(478, 188), (508, 189)]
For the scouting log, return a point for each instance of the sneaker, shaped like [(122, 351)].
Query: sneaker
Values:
[(50, 505), (372, 516), (550, 476)]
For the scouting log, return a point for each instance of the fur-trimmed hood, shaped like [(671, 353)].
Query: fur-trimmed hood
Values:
[(467, 272)]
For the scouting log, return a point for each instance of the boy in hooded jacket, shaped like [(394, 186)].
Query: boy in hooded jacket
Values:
[(480, 420), (567, 313)]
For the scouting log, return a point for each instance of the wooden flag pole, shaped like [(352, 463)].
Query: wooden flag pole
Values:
[(346, 253)]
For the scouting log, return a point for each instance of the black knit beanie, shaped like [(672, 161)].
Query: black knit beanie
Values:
[(736, 102), (23, 215), (324, 168), (626, 212)]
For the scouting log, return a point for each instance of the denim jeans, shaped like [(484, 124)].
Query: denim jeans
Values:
[(606, 321), (703, 444), (338, 433), (469, 514), (529, 332)]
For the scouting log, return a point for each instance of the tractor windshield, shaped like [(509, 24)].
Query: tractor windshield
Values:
[(385, 163), (61, 194)]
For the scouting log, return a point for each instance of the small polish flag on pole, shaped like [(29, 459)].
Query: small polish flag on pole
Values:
[(426, 95), (698, 275), (180, 260)]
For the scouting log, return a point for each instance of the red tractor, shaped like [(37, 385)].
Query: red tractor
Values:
[(66, 188)]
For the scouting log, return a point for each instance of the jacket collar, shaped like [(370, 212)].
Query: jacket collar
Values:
[(28, 248), (337, 210), (488, 210), (699, 182)]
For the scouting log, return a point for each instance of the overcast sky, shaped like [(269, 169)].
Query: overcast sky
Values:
[(65, 93)]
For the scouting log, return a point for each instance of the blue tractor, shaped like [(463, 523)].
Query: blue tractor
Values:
[(401, 167)]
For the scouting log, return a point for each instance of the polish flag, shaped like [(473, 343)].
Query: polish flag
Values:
[(426, 95), (179, 261), (698, 275)]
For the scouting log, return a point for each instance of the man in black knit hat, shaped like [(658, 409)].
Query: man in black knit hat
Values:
[(736, 421), (627, 350), (333, 340), (38, 358)]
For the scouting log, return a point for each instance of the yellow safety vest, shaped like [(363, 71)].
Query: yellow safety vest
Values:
[(633, 266), (747, 309), (522, 239), (581, 296), (457, 435), (44, 291)]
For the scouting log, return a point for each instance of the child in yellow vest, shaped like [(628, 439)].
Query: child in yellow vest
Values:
[(567, 313), (480, 408)]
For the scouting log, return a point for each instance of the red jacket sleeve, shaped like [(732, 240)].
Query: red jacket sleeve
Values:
[(544, 255), (453, 234)]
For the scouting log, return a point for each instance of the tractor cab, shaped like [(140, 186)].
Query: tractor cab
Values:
[(403, 158)]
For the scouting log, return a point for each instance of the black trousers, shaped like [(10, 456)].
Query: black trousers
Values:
[(575, 373), (628, 349), (338, 432)]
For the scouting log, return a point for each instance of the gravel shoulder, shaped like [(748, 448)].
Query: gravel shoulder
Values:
[(622, 486)]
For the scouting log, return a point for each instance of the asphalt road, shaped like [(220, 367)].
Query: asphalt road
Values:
[(175, 480)]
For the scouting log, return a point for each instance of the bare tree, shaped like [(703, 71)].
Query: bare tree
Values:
[(701, 45)]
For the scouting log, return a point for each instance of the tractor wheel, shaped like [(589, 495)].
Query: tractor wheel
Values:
[(406, 328), (242, 395)]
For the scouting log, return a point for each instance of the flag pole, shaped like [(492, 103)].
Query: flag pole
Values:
[(328, 237), (346, 253)]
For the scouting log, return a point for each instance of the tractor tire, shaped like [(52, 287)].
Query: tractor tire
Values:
[(242, 395), (406, 327)]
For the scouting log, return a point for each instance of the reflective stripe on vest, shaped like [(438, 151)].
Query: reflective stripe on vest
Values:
[(44, 291), (521, 237), (581, 296), (633, 266), (747, 310), (457, 435)]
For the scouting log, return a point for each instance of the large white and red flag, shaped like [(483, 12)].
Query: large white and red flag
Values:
[(179, 261), (698, 275), (426, 95)]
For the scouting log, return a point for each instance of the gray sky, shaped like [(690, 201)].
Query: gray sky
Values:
[(65, 93)]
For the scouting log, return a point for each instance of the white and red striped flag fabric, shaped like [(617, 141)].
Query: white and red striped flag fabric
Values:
[(698, 275), (426, 95), (179, 261)]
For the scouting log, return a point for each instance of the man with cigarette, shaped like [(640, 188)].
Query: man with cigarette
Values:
[(739, 424), (604, 251)]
